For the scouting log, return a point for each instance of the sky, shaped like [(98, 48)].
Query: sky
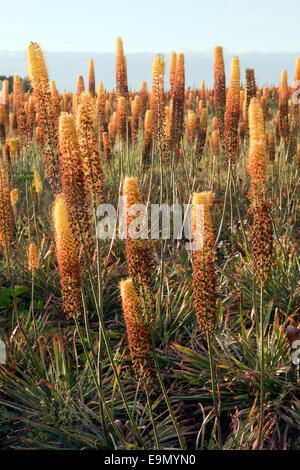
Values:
[(155, 25), (264, 33)]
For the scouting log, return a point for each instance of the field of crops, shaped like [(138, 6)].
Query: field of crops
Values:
[(110, 341)]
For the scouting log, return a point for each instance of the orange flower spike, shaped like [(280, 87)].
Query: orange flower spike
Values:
[(206, 198), (271, 147), (88, 145), (261, 230), (37, 183), (30, 117), (249, 94), (215, 124), (232, 114), (33, 258), (91, 77), (135, 115), (100, 106), (14, 197), (143, 100), (147, 138), (121, 71), (257, 147), (137, 332), (74, 105), (122, 119), (219, 89), (283, 106), (172, 70), (46, 120), (65, 102), (5, 104), (19, 107), (106, 146), (191, 126), (112, 128), (177, 116), (202, 94), (201, 130), (38, 135), (80, 85), (298, 156), (138, 251), (67, 257), (215, 145), (55, 100), (14, 147), (157, 101)]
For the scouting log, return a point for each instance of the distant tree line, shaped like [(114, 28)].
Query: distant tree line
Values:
[(25, 83)]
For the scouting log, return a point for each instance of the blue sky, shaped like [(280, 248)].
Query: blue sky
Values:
[(152, 25)]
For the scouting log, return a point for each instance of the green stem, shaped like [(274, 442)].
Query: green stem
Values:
[(12, 285), (99, 389), (113, 365), (262, 370), (100, 299), (152, 416), (214, 391)]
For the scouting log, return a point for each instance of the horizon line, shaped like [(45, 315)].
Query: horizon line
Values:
[(184, 50)]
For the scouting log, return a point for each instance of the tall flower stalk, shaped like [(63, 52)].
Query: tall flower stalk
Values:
[(19, 107), (136, 330), (204, 280), (88, 145), (68, 261), (177, 114), (261, 236), (157, 102), (46, 119), (73, 184), (138, 251)]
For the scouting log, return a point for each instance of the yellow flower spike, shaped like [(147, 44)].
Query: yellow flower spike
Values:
[(232, 114), (138, 251), (136, 330), (19, 107), (6, 224), (204, 275), (67, 257), (172, 70), (261, 229), (14, 196), (157, 101), (33, 258), (46, 120), (77, 200), (91, 77), (147, 138), (219, 89), (88, 144)]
